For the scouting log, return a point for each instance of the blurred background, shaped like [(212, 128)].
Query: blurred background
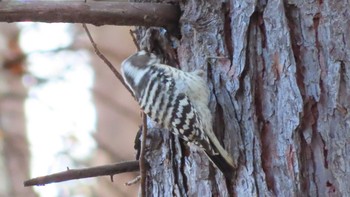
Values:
[(61, 106)]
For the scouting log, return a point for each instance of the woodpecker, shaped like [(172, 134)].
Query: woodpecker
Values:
[(176, 100)]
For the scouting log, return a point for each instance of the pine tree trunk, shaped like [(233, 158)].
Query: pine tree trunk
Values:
[(279, 76)]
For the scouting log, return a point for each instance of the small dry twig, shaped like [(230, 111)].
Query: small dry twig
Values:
[(134, 40), (112, 169), (105, 60), (133, 181)]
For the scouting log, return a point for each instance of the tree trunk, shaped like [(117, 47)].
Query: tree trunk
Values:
[(14, 146), (279, 77)]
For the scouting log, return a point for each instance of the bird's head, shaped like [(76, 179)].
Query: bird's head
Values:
[(141, 59)]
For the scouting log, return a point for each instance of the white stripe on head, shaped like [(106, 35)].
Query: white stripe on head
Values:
[(143, 52), (135, 73)]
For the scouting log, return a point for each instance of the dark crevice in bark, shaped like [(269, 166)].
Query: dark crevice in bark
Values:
[(304, 158), (315, 134), (210, 75), (314, 180), (259, 79), (325, 152), (230, 187), (218, 122), (227, 29), (306, 131), (219, 126), (316, 22), (262, 28), (257, 96), (293, 20), (266, 139), (214, 188), (343, 80)]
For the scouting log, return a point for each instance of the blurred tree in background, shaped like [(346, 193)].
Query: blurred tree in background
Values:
[(15, 156), (117, 115)]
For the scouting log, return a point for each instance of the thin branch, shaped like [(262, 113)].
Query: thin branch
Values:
[(142, 156), (96, 13), (110, 170), (134, 181), (106, 61), (134, 40)]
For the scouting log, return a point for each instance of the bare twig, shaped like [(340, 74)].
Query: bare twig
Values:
[(96, 13), (134, 40), (134, 181), (142, 156), (112, 169), (106, 61)]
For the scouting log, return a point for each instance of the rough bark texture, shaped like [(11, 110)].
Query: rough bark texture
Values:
[(280, 79)]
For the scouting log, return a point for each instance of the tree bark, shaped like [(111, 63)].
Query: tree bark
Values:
[(279, 76)]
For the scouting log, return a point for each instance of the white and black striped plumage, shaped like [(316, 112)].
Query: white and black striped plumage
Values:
[(176, 100)]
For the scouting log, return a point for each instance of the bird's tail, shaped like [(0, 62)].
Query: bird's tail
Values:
[(220, 157), (222, 164)]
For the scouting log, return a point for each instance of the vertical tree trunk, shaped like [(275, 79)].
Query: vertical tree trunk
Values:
[(279, 76), (14, 147)]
